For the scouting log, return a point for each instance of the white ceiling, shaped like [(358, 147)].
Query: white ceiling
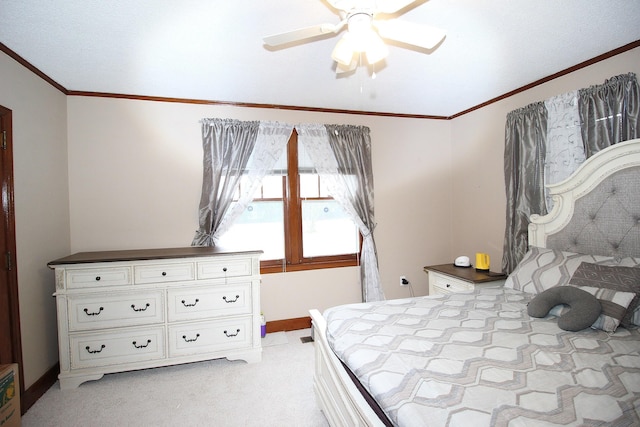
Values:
[(213, 50)]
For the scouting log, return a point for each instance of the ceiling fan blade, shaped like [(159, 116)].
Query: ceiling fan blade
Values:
[(392, 6), (344, 5), (301, 34), (423, 36)]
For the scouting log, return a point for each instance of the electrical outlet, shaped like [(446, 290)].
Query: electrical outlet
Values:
[(403, 281)]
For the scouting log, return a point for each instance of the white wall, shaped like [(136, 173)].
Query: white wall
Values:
[(478, 146), (39, 114)]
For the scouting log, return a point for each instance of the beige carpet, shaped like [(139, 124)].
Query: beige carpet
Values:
[(275, 392)]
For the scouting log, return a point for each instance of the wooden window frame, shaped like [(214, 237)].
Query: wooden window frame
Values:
[(294, 259)]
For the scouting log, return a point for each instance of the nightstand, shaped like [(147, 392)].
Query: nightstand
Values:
[(447, 278)]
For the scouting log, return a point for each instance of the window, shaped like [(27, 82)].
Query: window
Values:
[(294, 221)]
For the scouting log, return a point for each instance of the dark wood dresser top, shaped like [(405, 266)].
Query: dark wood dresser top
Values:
[(145, 254)]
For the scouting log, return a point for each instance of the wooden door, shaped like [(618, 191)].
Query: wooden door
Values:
[(10, 344)]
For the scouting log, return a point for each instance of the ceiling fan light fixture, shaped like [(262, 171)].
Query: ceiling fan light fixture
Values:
[(376, 50), (344, 69), (343, 52), (360, 31), (359, 22)]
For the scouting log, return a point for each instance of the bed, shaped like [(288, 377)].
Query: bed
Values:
[(480, 358)]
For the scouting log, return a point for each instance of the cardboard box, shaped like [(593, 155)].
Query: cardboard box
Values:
[(9, 396)]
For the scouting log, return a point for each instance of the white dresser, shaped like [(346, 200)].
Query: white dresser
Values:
[(127, 310)]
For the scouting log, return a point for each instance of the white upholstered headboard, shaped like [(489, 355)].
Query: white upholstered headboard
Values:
[(597, 209)]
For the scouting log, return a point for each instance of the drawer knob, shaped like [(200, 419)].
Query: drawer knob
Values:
[(448, 285), (184, 337), (190, 305), (97, 278), (164, 273), (232, 334), (133, 306), (141, 345), (94, 313), (94, 351), (224, 269), (230, 300)]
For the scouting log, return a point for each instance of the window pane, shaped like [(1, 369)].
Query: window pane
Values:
[(309, 185), (327, 230), (261, 226), (272, 187)]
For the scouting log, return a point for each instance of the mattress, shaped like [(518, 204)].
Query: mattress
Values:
[(479, 359)]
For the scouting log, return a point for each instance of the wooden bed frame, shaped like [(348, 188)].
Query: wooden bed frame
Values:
[(337, 395)]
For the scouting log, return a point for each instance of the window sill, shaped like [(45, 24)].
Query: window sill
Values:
[(311, 265)]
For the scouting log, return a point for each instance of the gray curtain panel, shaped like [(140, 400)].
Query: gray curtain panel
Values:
[(609, 113), (351, 146), (227, 146), (524, 154)]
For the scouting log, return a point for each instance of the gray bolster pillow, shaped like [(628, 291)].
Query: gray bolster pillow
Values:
[(584, 308)]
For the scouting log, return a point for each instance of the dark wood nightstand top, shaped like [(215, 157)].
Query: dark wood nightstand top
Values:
[(468, 274)]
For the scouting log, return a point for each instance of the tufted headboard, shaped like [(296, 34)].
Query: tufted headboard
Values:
[(597, 209)]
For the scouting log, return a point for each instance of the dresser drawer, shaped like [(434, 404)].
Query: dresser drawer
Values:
[(98, 311), (203, 337), (162, 273), (446, 284), (113, 348), (94, 277), (232, 267), (215, 301)]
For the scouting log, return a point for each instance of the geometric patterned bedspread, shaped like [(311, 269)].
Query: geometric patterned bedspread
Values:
[(478, 359)]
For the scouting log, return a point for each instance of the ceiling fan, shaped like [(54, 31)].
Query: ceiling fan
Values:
[(368, 22)]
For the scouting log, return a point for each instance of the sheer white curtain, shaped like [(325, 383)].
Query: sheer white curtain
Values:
[(345, 169), (235, 151), (564, 148), (270, 144)]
